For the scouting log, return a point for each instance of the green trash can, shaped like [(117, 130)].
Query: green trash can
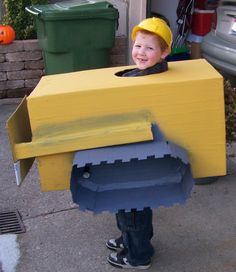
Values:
[(75, 35)]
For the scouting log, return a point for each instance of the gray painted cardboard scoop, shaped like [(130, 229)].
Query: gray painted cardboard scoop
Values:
[(146, 174)]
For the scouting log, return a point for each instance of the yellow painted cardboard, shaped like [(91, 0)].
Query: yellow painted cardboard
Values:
[(187, 102), (62, 139), (19, 131), (55, 171)]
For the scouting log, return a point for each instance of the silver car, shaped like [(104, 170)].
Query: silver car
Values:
[(219, 45)]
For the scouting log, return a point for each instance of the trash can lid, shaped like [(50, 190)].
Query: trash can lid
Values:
[(75, 9)]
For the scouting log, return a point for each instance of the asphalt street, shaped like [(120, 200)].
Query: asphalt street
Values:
[(197, 237)]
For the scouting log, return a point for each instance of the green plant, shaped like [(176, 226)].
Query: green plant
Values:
[(230, 111), (17, 17)]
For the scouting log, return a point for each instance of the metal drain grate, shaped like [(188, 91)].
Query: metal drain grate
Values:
[(11, 222)]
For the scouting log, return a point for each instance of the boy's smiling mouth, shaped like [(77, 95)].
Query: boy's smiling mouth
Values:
[(142, 60)]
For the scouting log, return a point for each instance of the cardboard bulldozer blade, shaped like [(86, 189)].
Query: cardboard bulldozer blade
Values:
[(149, 174)]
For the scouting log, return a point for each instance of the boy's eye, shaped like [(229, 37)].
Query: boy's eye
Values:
[(150, 48), (137, 46)]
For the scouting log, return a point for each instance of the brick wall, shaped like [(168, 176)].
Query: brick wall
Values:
[(21, 66)]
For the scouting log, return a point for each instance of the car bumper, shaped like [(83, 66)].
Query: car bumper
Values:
[(221, 54)]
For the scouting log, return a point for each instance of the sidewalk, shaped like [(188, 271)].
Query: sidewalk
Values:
[(197, 237)]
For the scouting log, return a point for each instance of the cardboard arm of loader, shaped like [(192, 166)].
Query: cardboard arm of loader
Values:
[(101, 132)]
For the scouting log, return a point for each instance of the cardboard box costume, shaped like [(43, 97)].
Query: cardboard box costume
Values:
[(93, 109)]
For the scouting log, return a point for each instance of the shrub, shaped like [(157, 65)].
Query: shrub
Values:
[(21, 20), (230, 111)]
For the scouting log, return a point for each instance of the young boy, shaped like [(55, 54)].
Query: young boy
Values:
[(152, 43)]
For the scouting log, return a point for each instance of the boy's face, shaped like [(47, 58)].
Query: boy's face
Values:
[(146, 50)]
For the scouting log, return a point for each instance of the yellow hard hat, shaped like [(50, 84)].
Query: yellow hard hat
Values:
[(156, 26)]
